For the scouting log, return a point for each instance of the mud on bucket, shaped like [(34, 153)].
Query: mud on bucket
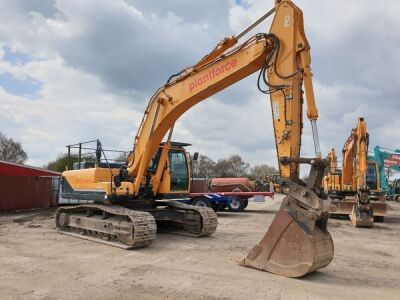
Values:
[(296, 243)]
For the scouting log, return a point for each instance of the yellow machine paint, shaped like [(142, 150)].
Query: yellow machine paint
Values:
[(100, 179)]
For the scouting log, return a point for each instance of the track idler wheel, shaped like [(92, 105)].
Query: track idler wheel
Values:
[(296, 243)]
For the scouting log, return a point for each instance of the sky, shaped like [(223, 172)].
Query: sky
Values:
[(77, 70)]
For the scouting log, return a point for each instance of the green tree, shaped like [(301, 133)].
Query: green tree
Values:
[(11, 150), (61, 162)]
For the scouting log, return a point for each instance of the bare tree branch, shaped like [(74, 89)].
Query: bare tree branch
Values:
[(11, 150)]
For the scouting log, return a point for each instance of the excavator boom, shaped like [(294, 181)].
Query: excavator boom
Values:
[(282, 55), (179, 95)]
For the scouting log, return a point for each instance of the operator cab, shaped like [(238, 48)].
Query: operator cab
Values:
[(179, 165), (372, 178)]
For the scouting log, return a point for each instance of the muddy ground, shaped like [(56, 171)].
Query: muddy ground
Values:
[(36, 262)]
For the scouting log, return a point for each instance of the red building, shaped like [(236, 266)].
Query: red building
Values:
[(26, 187)]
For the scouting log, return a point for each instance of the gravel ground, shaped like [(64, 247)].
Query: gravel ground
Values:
[(36, 262)]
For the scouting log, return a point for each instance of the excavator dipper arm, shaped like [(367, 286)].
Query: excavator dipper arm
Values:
[(297, 242)]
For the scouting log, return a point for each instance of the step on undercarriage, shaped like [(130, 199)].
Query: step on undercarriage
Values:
[(128, 229)]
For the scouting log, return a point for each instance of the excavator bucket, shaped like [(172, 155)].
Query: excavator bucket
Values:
[(362, 216), (346, 207), (296, 243), (342, 207)]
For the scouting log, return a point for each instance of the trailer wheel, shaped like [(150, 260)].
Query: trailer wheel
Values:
[(236, 204), (221, 206), (246, 202), (397, 198), (201, 201)]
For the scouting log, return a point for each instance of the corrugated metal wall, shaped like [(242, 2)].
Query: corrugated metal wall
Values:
[(21, 192)]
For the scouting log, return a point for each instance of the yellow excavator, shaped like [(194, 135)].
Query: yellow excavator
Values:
[(332, 181), (131, 203), (275, 181), (354, 189)]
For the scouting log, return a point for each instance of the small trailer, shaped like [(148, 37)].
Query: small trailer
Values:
[(234, 201), (221, 193)]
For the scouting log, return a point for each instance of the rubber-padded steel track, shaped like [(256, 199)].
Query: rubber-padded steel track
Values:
[(112, 225)]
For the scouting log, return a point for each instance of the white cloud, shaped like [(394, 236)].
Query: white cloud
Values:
[(98, 62), (73, 107)]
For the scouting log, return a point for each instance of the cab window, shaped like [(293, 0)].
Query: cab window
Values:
[(154, 162), (178, 171), (371, 177)]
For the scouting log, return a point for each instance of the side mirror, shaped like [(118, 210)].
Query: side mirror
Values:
[(195, 156)]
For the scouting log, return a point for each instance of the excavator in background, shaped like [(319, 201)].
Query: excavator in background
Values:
[(130, 203), (275, 179), (375, 190), (388, 161), (270, 183), (394, 190), (332, 181), (355, 189)]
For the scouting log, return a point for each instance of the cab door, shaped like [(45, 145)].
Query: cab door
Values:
[(372, 178), (178, 170)]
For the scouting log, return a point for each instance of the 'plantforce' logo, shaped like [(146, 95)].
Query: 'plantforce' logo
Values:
[(83, 180), (215, 72)]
